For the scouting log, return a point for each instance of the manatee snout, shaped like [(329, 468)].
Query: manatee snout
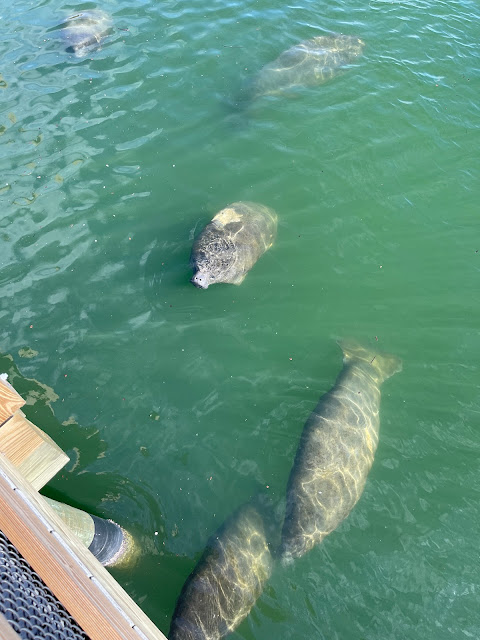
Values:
[(200, 280), (78, 50)]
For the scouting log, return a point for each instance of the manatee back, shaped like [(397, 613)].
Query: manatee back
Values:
[(336, 451), (307, 63), (251, 225), (227, 580)]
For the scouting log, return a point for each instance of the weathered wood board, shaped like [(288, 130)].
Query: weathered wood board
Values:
[(31, 450), (6, 630), (10, 401)]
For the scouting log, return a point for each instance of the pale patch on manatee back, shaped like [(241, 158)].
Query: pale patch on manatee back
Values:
[(227, 215)]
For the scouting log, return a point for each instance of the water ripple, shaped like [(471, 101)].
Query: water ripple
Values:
[(112, 163)]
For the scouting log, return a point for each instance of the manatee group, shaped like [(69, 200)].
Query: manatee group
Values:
[(336, 451), (227, 580), (339, 439), (308, 63), (331, 465), (229, 245), (85, 30)]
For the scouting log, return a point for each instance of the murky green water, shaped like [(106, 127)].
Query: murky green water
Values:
[(176, 405)]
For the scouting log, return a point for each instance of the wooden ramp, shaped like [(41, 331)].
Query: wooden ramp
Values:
[(28, 459), (27, 447)]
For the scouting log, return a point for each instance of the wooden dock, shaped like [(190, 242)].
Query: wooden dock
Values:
[(28, 459)]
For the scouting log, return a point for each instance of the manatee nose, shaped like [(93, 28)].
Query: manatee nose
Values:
[(200, 281)]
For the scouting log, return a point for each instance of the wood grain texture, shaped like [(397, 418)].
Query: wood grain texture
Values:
[(31, 450), (10, 401), (88, 592), (6, 630)]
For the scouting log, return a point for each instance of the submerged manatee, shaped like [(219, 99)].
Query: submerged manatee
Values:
[(308, 63), (84, 30), (231, 243), (227, 580), (336, 451)]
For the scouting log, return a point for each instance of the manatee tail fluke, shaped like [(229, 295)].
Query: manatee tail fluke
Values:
[(384, 364)]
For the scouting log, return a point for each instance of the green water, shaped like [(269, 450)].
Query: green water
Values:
[(177, 405)]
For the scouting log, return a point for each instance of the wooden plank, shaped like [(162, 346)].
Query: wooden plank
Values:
[(10, 401), (7, 632), (85, 588), (31, 450)]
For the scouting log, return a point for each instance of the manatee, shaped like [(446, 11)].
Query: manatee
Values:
[(227, 580), (85, 30), (336, 451), (231, 243), (308, 63)]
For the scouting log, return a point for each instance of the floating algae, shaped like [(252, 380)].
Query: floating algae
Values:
[(27, 352), (23, 200)]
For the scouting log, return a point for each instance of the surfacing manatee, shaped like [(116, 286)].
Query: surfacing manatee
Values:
[(227, 580), (231, 243), (85, 30), (336, 451), (308, 63)]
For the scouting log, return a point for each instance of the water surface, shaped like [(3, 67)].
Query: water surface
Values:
[(177, 405)]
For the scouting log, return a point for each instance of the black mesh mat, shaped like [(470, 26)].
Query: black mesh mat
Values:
[(28, 604)]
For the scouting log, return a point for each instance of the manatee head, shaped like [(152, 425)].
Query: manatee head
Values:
[(201, 280), (84, 30)]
